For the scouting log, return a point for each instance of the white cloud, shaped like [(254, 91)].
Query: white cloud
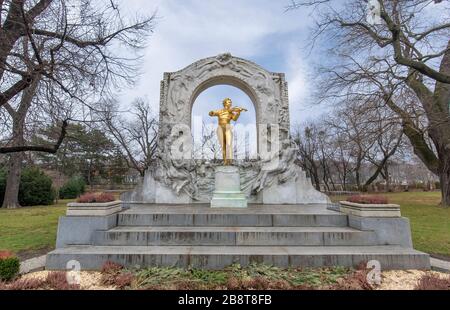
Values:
[(186, 31), (298, 74)]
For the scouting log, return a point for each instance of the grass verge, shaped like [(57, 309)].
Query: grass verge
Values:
[(29, 229)]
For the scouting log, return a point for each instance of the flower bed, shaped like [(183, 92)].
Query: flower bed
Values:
[(368, 199), (92, 204), (93, 197), (369, 206)]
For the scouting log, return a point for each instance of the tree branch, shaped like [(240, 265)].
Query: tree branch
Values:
[(38, 8), (398, 55), (35, 148), (15, 89), (99, 42)]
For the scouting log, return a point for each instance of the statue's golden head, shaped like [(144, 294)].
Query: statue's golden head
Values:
[(227, 103)]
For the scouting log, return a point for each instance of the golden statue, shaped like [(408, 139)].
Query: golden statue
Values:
[(224, 132)]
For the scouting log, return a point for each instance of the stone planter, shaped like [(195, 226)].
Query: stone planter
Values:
[(369, 210), (93, 208)]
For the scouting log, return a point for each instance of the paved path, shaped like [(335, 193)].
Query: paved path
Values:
[(440, 265), (32, 264)]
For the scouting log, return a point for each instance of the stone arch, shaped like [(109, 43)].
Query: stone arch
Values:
[(267, 90), (226, 80), (251, 96)]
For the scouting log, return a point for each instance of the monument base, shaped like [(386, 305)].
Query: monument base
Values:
[(227, 193)]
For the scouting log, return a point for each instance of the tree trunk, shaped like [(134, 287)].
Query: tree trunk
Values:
[(444, 178), (11, 199), (315, 177), (387, 177), (358, 179)]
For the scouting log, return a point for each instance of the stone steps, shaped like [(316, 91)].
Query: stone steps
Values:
[(237, 235), (218, 257), (230, 218), (214, 238)]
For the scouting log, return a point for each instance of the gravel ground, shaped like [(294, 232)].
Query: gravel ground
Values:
[(404, 279), (390, 280), (89, 280)]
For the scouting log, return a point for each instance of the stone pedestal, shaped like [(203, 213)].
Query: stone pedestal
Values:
[(227, 192)]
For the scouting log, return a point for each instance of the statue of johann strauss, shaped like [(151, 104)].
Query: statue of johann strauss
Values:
[(224, 130)]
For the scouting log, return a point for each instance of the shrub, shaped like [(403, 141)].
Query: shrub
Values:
[(25, 284), (124, 279), (437, 185), (375, 199), (9, 266), (110, 274), (88, 197), (111, 267), (73, 188), (92, 197), (35, 188), (355, 281), (105, 197), (433, 282), (57, 280)]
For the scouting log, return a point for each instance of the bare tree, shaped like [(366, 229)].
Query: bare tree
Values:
[(307, 139), (402, 62), (347, 148), (389, 142), (348, 122), (135, 132), (79, 49), (56, 57), (341, 161)]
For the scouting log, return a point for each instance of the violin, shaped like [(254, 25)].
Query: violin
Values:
[(238, 109)]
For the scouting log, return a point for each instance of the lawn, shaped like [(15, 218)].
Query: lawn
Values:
[(30, 228), (430, 224), (34, 228)]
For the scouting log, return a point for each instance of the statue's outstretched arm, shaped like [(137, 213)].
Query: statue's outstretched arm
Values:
[(213, 113)]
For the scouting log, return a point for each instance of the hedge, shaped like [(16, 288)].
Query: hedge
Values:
[(9, 266), (73, 188), (35, 187)]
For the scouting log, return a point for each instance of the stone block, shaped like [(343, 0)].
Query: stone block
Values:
[(219, 257), (227, 193), (93, 209), (164, 194), (77, 230), (389, 230), (306, 193), (370, 210), (283, 193)]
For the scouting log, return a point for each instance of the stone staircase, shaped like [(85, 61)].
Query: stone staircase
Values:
[(199, 236)]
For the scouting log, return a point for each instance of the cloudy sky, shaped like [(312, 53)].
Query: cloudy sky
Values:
[(259, 30)]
